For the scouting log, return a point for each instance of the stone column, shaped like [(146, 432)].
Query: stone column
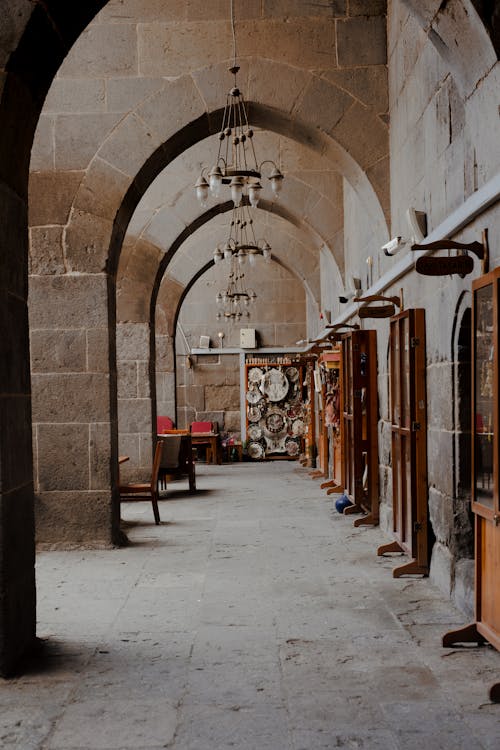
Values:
[(17, 554), (74, 409), (135, 409)]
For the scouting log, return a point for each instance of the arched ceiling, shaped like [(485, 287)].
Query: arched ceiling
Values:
[(146, 80)]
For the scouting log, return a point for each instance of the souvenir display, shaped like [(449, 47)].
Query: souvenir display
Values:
[(276, 415)]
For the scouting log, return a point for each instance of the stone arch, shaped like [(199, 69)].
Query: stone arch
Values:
[(30, 33), (452, 25), (136, 328), (462, 535)]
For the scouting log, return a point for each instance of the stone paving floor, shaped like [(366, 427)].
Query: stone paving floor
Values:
[(254, 618)]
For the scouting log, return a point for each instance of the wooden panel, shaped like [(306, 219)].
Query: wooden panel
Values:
[(409, 441)]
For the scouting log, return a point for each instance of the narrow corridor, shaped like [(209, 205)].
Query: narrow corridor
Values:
[(256, 618)]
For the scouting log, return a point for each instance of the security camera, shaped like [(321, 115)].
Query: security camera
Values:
[(394, 245), (346, 297)]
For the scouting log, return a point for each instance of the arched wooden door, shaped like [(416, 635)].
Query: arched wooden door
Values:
[(409, 442)]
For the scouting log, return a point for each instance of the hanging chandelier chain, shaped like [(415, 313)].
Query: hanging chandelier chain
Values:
[(233, 31), (239, 168)]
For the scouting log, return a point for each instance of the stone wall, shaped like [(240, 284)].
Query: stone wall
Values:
[(209, 388), (438, 159)]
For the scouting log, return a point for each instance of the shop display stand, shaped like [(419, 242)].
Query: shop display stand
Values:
[(409, 443), (359, 424), (485, 475), (275, 409)]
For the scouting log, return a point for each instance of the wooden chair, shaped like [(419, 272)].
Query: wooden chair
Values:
[(177, 459), (144, 491), (206, 434)]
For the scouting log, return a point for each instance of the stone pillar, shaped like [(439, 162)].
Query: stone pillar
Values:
[(135, 409), (74, 409), (17, 558)]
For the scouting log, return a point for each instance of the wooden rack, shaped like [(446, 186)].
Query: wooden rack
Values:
[(359, 424)]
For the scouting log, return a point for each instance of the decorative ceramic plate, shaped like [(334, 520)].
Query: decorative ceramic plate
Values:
[(254, 432), (275, 422), (292, 447), (255, 375), (298, 427), (275, 385), (292, 374), (254, 396), (255, 450), (254, 413)]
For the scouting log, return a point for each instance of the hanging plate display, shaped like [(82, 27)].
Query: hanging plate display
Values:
[(298, 427), (275, 422), (292, 447), (292, 374), (253, 396), (255, 375), (255, 450), (254, 413), (254, 432), (275, 385)]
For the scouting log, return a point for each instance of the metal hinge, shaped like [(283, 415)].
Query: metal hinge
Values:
[(415, 426), (358, 394), (417, 526), (414, 341)]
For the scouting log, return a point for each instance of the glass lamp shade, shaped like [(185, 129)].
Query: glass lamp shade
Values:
[(266, 251), (254, 193), (252, 258), (218, 255), (276, 179), (215, 178), (202, 190), (236, 186), (228, 252), (218, 298), (242, 256)]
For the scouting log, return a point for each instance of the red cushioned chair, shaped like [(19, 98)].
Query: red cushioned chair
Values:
[(163, 423)]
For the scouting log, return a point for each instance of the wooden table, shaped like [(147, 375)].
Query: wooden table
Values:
[(211, 441)]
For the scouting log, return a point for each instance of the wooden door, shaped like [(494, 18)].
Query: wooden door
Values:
[(409, 441), (485, 475), (485, 490)]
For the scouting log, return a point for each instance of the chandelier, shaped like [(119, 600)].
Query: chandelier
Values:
[(236, 164), (233, 303), (241, 242)]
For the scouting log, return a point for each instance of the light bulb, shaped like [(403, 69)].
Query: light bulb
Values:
[(236, 186), (276, 179), (254, 193), (215, 177), (202, 190)]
